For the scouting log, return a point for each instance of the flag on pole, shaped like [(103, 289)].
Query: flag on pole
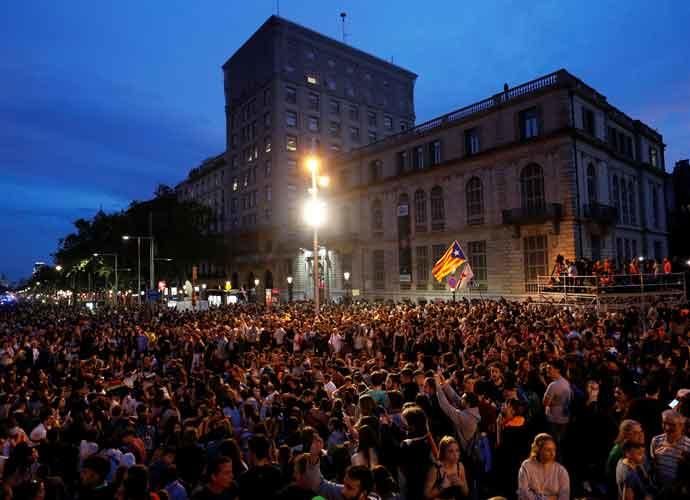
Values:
[(449, 261), (466, 276)]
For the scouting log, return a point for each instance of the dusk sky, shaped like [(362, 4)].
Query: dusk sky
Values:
[(101, 101)]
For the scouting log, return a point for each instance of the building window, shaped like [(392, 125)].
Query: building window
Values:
[(420, 210), (475, 201), (354, 133), (371, 118), (477, 250), (312, 124), (268, 193), (267, 144), (354, 112), (235, 184), (267, 119), (653, 157), (438, 211), (422, 265), (615, 194), (349, 90), (529, 123), (291, 119), (592, 191), (418, 158), (290, 94), (291, 143), (379, 263), (613, 138), (312, 80), (536, 260), (376, 217), (291, 166), (334, 129), (655, 205), (629, 147), (633, 206), (658, 251), (471, 141), (435, 153), (624, 202), (375, 171), (335, 148), (313, 101), (372, 137), (401, 162), (532, 187), (334, 107), (314, 144), (267, 168), (588, 121), (268, 214), (234, 162), (330, 83), (388, 122), (403, 125)]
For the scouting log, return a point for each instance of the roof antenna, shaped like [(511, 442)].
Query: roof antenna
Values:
[(278, 8), (343, 15)]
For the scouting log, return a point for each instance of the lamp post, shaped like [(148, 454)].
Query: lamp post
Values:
[(346, 275), (315, 215), (127, 237), (101, 254), (289, 281), (256, 291)]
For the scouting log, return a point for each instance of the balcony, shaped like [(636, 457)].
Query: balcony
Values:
[(533, 215), (549, 212), (602, 214)]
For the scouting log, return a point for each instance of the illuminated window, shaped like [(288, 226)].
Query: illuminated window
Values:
[(312, 80)]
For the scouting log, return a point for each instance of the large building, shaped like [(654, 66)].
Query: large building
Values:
[(679, 189), (289, 92), (545, 168)]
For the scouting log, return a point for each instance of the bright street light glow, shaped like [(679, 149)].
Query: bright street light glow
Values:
[(312, 163), (58, 268), (314, 212), (324, 181), (125, 237), (640, 258), (289, 280), (256, 282), (346, 275)]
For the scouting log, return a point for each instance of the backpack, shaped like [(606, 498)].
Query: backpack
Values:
[(478, 451)]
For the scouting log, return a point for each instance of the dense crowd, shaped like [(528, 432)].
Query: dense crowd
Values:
[(388, 401)]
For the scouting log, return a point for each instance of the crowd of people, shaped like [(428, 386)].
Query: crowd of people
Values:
[(477, 399)]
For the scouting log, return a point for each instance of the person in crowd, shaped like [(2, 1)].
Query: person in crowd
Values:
[(220, 484), (633, 481), (447, 479), (669, 449), (557, 399), (540, 476), (263, 479)]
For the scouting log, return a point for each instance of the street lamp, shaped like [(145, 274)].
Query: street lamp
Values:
[(58, 268), (315, 214), (100, 254), (256, 290), (346, 275), (127, 237), (289, 280)]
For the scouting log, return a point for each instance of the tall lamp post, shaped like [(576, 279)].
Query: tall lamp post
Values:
[(127, 237), (289, 281), (315, 215), (101, 254), (346, 275)]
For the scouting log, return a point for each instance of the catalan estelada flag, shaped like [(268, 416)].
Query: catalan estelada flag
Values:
[(449, 261)]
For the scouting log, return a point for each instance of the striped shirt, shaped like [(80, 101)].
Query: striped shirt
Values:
[(666, 457)]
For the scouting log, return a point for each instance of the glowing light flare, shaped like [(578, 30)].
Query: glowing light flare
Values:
[(314, 212)]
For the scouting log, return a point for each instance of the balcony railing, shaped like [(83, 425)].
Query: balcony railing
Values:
[(603, 214), (533, 215)]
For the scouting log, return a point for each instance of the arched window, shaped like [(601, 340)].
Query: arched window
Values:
[(631, 202), (420, 209), (475, 201), (376, 217), (592, 192), (532, 184), (438, 211)]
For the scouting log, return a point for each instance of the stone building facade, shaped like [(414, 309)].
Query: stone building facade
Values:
[(546, 168)]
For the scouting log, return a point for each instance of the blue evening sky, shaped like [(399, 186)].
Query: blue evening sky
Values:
[(102, 100)]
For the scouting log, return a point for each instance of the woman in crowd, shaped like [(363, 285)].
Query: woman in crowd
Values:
[(447, 478), (540, 476)]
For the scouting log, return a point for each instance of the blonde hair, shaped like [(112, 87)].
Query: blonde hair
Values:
[(539, 441), (444, 445), (624, 430)]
